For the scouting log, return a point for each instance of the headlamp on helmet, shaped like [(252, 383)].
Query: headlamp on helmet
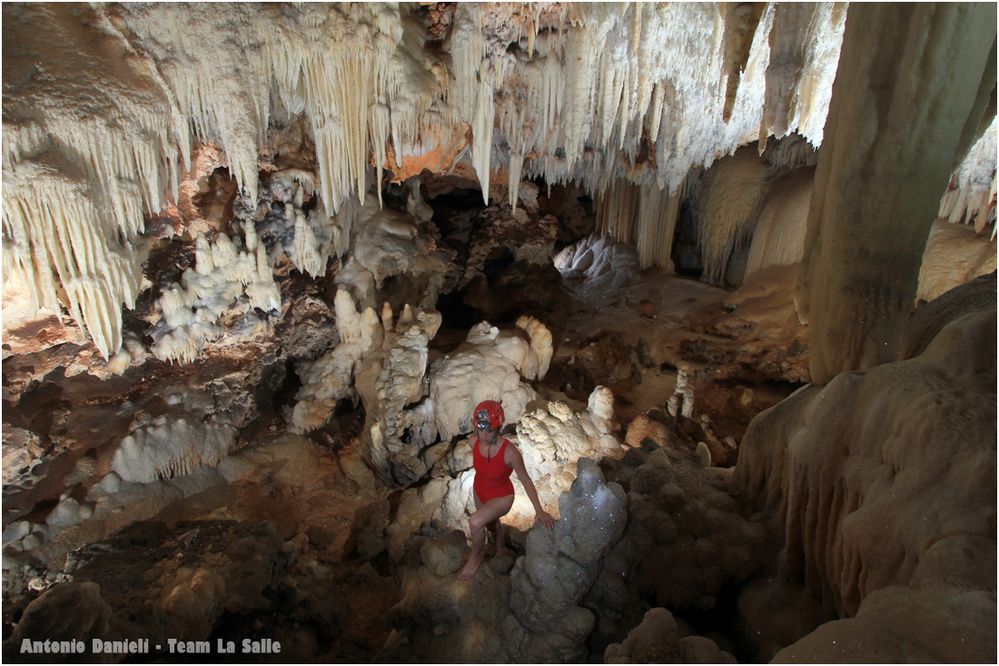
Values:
[(488, 415)]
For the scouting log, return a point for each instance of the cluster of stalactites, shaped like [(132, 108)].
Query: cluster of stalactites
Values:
[(643, 215), (971, 195), (81, 166), (166, 448), (584, 93), (652, 92), (636, 85)]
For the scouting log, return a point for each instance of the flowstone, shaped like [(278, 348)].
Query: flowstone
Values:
[(914, 440)]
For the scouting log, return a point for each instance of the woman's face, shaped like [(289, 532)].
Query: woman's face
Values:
[(488, 437)]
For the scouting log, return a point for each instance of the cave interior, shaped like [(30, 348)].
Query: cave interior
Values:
[(730, 270)]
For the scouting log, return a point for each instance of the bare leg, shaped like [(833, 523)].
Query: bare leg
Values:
[(491, 530), (487, 513), (500, 536), (494, 528), (491, 527)]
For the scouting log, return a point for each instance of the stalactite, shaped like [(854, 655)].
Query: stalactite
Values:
[(516, 165), (787, 58), (590, 89), (641, 214), (741, 21), (657, 215), (779, 235), (482, 136), (617, 210), (166, 448), (790, 152), (823, 42), (971, 193), (732, 197)]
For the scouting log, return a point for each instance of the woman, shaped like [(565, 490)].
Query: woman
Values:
[(494, 458)]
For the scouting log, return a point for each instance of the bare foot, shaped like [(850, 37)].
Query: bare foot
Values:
[(471, 566), (501, 550)]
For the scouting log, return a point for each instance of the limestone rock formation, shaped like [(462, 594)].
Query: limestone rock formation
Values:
[(758, 323), (889, 435), (732, 199), (954, 254), (773, 613), (848, 213), (330, 377), (547, 624), (971, 193), (927, 321), (66, 612), (601, 262), (390, 244), (682, 514), (226, 567), (489, 365), (657, 641), (261, 261), (191, 310), (387, 383), (401, 89), (500, 231), (779, 233), (171, 447), (643, 427), (440, 618)]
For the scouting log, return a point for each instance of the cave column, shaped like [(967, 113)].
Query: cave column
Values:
[(897, 120)]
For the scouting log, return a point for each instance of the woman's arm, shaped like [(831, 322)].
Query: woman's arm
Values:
[(515, 460)]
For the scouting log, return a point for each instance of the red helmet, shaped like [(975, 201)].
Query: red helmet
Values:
[(488, 415)]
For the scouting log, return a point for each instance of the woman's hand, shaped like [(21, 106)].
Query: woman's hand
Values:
[(545, 519)]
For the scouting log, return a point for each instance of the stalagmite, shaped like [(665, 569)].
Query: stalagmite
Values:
[(541, 342), (867, 229), (681, 402), (330, 377)]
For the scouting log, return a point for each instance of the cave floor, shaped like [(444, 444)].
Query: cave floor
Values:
[(311, 488)]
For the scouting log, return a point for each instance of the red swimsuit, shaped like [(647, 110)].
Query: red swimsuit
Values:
[(492, 477)]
